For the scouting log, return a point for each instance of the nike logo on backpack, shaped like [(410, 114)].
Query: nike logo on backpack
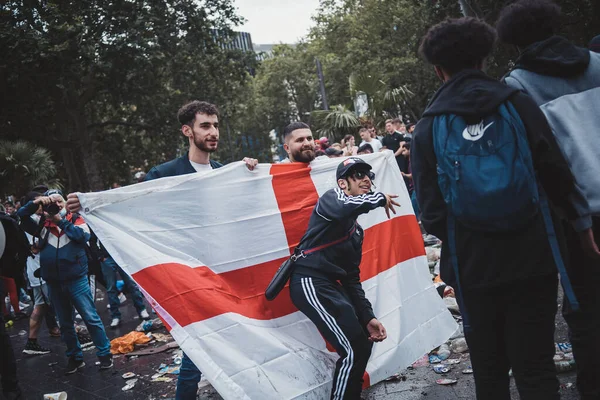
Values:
[(475, 132)]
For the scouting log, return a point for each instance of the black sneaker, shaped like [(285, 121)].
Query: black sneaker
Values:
[(106, 362), (34, 348), (85, 340), (74, 365)]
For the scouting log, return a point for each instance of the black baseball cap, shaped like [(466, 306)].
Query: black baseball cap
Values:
[(351, 163)]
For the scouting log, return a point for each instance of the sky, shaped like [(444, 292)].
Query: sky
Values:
[(276, 21)]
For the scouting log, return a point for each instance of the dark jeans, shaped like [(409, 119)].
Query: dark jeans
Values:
[(189, 377), (110, 270), (8, 365), (76, 293), (584, 325), (513, 327)]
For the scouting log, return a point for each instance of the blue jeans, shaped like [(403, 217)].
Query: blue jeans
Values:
[(110, 270), (189, 377), (415, 204), (76, 293)]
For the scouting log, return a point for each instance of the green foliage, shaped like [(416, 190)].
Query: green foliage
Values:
[(383, 101), (23, 166), (371, 46), (99, 83), (335, 123)]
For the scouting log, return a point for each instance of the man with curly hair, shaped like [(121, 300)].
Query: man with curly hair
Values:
[(505, 279), (564, 80)]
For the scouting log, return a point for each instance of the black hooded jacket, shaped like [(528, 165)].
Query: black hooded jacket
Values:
[(489, 259), (555, 56)]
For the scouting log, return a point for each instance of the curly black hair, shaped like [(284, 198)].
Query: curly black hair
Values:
[(458, 43), (187, 113), (528, 21)]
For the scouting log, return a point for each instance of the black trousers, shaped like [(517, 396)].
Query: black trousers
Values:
[(584, 325), (8, 364), (326, 304), (513, 327)]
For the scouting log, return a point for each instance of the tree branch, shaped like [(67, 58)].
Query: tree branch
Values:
[(121, 123)]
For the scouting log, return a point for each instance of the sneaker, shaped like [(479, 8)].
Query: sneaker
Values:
[(34, 348), (106, 362), (144, 314), (115, 322), (24, 297), (23, 306), (20, 315), (85, 340), (74, 365), (108, 306), (122, 298)]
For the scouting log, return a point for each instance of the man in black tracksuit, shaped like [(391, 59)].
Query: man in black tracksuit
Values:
[(508, 280), (325, 284)]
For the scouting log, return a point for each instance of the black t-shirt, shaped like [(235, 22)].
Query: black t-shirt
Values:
[(392, 142)]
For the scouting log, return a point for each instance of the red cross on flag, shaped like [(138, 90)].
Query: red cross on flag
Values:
[(203, 247)]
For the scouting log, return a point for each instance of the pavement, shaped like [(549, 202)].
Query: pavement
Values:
[(45, 374)]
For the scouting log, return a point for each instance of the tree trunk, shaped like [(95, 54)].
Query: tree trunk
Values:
[(73, 181), (86, 150), (91, 166)]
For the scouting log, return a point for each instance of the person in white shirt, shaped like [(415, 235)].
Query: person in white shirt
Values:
[(366, 137)]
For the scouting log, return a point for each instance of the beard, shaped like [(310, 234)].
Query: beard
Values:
[(305, 156), (206, 145)]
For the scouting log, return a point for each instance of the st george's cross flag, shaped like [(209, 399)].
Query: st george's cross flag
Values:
[(203, 247)]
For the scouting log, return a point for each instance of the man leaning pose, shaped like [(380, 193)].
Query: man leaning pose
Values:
[(325, 285)]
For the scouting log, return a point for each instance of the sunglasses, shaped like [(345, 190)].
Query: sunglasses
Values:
[(361, 175)]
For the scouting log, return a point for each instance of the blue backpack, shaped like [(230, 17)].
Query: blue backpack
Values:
[(486, 176)]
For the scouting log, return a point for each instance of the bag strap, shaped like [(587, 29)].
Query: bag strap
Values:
[(558, 260), (304, 253), (451, 224)]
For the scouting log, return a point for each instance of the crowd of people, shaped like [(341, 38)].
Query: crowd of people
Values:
[(505, 173), (51, 253)]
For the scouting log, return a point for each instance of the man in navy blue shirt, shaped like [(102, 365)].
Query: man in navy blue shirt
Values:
[(200, 124)]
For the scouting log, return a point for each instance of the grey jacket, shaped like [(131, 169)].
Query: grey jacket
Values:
[(564, 80)]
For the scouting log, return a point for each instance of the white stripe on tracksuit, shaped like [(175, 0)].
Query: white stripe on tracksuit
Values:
[(344, 372)]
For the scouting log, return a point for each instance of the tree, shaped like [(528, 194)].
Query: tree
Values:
[(89, 78), (383, 101), (23, 166), (335, 123)]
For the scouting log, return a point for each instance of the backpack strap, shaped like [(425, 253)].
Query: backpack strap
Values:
[(43, 241), (558, 260)]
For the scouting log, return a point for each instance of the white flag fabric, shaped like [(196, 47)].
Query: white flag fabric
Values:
[(203, 248)]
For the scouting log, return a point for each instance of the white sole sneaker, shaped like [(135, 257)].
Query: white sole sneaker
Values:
[(35, 352)]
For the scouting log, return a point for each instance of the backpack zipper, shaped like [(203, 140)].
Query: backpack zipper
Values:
[(456, 170)]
